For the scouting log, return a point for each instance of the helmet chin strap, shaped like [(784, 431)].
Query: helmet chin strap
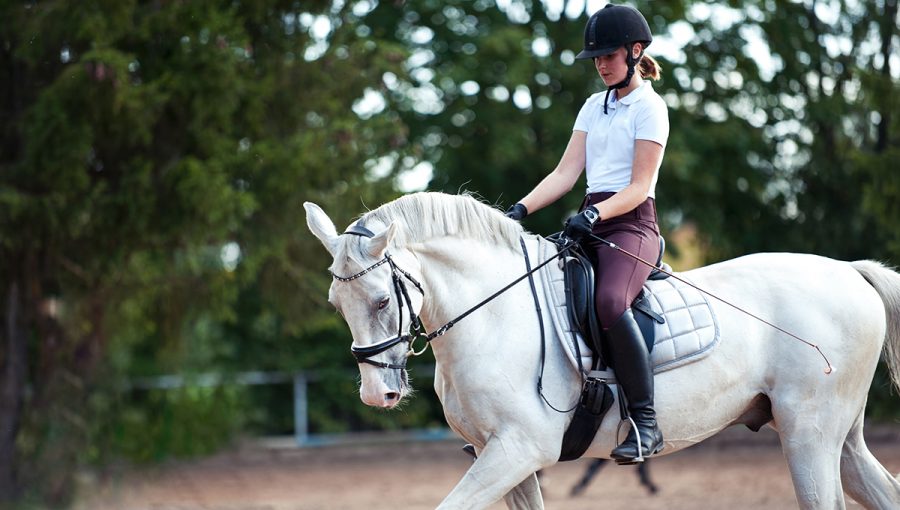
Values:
[(632, 62)]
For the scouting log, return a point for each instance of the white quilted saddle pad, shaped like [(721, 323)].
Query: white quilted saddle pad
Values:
[(690, 331)]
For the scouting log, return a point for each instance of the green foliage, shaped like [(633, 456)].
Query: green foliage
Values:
[(162, 423), (142, 142)]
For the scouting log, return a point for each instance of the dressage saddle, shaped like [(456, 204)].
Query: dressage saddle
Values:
[(579, 286)]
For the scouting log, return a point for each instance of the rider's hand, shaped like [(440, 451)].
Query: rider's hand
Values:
[(581, 224), (517, 212)]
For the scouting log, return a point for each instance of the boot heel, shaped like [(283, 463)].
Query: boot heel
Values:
[(638, 460)]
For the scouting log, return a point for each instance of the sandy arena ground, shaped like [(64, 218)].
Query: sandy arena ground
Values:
[(737, 470)]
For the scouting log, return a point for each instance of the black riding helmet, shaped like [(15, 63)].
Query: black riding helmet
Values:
[(611, 28)]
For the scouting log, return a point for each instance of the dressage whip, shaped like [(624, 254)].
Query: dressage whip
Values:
[(828, 370)]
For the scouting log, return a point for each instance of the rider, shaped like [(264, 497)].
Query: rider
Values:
[(620, 137)]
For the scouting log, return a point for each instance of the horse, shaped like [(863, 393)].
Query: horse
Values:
[(452, 251)]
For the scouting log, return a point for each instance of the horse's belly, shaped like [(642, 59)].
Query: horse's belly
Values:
[(692, 402)]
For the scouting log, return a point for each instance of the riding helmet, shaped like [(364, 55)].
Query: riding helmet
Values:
[(613, 27)]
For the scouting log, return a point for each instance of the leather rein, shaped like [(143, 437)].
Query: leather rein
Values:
[(416, 329)]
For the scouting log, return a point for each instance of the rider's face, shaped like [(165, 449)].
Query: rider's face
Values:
[(612, 68)]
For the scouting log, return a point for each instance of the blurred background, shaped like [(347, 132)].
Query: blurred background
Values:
[(160, 293)]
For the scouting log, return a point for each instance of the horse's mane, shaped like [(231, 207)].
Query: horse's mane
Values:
[(427, 215)]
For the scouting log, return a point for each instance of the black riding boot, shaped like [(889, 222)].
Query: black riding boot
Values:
[(631, 361)]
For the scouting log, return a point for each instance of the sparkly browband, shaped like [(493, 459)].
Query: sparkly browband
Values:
[(357, 229)]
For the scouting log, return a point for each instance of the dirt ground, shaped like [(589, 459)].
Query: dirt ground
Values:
[(737, 470)]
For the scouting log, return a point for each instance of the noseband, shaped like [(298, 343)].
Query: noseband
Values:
[(399, 278)]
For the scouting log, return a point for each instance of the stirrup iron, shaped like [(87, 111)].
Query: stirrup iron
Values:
[(640, 447)]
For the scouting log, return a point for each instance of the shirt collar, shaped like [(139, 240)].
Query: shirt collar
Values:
[(635, 95)]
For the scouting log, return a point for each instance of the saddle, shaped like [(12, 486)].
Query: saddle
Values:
[(579, 286)]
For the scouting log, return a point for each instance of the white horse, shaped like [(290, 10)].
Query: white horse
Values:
[(461, 251)]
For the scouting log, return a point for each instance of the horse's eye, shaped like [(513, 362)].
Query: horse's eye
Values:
[(383, 303)]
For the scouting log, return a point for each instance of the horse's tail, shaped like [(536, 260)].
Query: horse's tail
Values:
[(887, 282)]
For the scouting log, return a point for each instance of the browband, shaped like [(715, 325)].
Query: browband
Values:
[(358, 230)]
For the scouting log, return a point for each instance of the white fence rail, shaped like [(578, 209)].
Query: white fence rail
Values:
[(300, 381)]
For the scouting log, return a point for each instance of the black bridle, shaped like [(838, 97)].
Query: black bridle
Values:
[(364, 354), (416, 329)]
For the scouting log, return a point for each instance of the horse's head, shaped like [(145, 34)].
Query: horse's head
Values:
[(370, 291)]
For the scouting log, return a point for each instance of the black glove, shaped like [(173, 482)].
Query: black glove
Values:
[(517, 212), (581, 224)]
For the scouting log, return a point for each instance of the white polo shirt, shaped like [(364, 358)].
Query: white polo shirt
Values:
[(641, 115)]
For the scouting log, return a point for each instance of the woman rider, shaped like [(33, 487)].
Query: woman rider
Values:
[(619, 137)]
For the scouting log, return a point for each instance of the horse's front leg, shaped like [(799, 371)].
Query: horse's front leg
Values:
[(505, 465), (526, 495)]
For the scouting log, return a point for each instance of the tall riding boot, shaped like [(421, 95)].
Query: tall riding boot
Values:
[(631, 362)]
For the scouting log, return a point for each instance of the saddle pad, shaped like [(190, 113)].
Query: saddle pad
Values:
[(689, 333)]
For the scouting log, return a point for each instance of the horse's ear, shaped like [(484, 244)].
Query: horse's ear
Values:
[(321, 226), (378, 244)]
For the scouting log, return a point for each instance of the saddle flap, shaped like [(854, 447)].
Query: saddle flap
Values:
[(579, 285)]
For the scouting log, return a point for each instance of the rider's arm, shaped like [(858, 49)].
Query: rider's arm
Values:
[(562, 178), (647, 157)]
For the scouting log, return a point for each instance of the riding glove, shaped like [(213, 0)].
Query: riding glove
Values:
[(517, 212), (581, 224)]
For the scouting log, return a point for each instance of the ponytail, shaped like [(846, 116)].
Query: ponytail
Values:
[(650, 68)]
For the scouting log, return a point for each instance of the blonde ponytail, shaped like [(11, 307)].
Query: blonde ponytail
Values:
[(650, 68)]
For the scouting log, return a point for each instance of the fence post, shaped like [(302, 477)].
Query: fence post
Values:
[(301, 416)]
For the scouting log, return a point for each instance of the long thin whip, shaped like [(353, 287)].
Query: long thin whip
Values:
[(828, 370)]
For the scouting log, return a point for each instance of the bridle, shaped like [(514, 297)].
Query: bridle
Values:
[(416, 330), (399, 278)]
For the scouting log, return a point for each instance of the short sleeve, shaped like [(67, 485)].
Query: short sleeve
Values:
[(652, 123), (583, 121)]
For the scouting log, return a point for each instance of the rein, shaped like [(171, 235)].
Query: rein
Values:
[(416, 329)]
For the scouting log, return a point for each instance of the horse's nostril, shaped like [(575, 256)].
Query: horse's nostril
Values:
[(391, 396)]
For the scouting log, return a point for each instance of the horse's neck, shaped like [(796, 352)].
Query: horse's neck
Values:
[(496, 349), (458, 274)]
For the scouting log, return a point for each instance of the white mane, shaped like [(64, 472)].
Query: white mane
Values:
[(427, 215)]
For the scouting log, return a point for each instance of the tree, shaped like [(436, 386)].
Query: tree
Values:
[(155, 157), (770, 103)]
